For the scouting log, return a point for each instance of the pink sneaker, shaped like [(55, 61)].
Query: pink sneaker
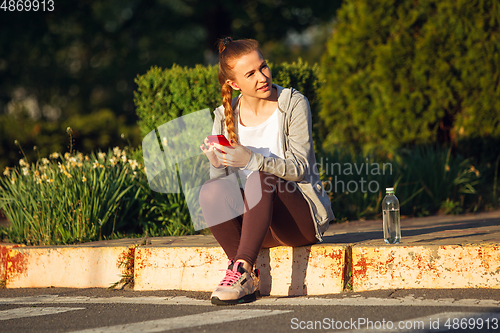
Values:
[(238, 286)]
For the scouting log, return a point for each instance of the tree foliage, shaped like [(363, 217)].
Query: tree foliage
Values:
[(84, 55), (409, 72)]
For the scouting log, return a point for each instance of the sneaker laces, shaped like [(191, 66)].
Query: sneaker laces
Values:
[(232, 275)]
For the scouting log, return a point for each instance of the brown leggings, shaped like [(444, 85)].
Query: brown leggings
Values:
[(280, 217)]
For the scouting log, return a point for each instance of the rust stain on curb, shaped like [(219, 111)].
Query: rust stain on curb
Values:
[(13, 263), (430, 266), (17, 263), (4, 252), (126, 262)]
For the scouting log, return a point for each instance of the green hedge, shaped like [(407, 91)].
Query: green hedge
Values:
[(165, 94), (399, 73)]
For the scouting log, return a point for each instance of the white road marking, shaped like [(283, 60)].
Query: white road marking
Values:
[(436, 323), (201, 319), (373, 301), (32, 312), (43, 299), (278, 301)]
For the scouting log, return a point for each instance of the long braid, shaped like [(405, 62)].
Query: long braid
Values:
[(229, 51), (227, 94)]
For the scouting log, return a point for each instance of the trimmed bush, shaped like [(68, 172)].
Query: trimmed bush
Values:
[(163, 95), (399, 73)]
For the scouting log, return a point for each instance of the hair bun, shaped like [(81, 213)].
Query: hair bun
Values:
[(226, 41)]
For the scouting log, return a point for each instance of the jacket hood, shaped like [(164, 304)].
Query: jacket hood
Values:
[(284, 97)]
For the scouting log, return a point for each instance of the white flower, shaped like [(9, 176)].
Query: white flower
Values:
[(6, 172), (22, 162), (50, 180), (13, 180), (96, 164), (62, 168), (26, 171), (113, 161), (117, 151), (67, 156), (45, 161), (133, 164), (38, 181), (72, 161), (54, 155), (84, 179), (101, 156), (124, 159)]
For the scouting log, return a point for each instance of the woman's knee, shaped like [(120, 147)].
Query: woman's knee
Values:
[(208, 192), (263, 180), (213, 192)]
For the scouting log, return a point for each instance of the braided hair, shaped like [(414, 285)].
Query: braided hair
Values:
[(229, 51)]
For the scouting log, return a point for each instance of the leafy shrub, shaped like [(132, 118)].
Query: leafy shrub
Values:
[(163, 95), (400, 73)]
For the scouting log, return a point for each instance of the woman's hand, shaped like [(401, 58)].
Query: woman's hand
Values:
[(210, 153), (237, 156)]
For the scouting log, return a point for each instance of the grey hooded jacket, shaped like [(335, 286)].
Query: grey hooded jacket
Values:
[(299, 164)]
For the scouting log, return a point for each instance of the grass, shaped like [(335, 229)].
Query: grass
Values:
[(427, 180)]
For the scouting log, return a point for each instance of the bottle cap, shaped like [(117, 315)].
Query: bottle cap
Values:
[(389, 189)]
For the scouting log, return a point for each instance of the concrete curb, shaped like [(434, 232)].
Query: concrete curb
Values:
[(429, 257), (72, 267), (285, 271), (429, 266)]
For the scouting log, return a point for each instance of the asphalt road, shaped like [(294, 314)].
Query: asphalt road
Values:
[(101, 310)]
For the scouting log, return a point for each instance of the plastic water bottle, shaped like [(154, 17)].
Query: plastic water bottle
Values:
[(390, 213)]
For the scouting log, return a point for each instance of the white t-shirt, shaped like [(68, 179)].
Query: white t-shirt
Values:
[(263, 138)]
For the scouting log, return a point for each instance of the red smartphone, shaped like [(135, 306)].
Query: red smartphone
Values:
[(220, 139)]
